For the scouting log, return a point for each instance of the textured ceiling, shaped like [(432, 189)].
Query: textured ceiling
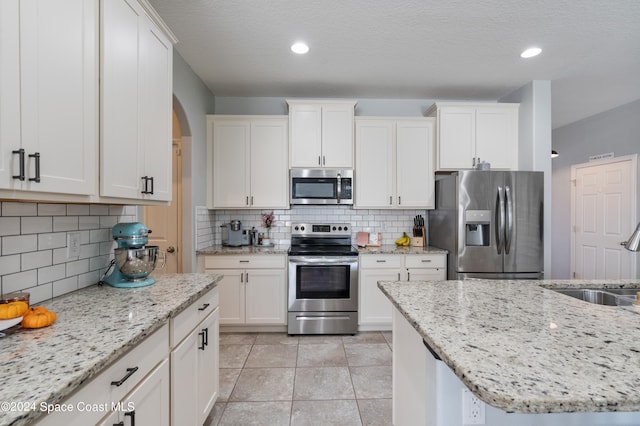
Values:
[(414, 49)]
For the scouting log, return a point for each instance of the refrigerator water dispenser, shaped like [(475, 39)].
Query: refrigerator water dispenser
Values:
[(477, 229)]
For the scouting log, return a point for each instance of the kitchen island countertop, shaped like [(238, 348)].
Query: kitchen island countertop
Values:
[(95, 326), (522, 347), (393, 249)]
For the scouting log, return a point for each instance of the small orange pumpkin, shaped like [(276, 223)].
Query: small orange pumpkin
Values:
[(12, 310), (38, 317)]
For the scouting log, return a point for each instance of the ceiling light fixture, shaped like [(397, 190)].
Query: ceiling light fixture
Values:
[(300, 48), (531, 52)]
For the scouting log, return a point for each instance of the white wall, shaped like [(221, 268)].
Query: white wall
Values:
[(192, 102), (617, 131), (534, 150)]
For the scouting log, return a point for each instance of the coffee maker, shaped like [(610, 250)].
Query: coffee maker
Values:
[(133, 259), (233, 235)]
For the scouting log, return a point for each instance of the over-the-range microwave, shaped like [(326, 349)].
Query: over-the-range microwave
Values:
[(321, 186)]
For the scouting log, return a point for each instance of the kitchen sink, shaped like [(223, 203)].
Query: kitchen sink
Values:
[(609, 297)]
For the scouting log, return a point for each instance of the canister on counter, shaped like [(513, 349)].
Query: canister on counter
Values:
[(15, 297)]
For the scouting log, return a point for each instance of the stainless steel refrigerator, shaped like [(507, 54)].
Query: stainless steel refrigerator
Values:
[(491, 222)]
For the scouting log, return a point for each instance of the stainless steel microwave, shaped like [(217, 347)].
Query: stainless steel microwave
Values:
[(321, 186)]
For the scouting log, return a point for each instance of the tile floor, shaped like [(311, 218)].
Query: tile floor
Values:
[(276, 379)]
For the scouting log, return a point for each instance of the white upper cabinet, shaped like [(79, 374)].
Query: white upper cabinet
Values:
[(136, 95), (49, 101), (472, 133), (321, 133), (394, 163), (247, 162)]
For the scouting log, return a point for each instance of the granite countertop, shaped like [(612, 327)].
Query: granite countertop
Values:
[(521, 347), (243, 250), (95, 326), (284, 249), (393, 249)]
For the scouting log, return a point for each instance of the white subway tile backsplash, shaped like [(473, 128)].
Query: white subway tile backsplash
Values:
[(36, 259), (9, 226), (33, 245), (51, 273), (16, 282), (52, 209), (19, 244), (19, 209), (36, 225)]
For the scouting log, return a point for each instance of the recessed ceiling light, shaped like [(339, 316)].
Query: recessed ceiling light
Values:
[(300, 48), (531, 52)]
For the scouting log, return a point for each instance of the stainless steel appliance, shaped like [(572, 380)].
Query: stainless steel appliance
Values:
[(133, 259), (321, 186), (323, 280), (233, 235), (491, 222)]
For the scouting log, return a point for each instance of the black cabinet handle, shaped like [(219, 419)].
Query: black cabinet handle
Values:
[(37, 158), (121, 423), (20, 153), (203, 307), (151, 179), (130, 371), (145, 184), (202, 334), (131, 414), (206, 336)]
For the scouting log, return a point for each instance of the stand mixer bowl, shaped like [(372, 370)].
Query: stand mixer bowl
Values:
[(136, 263)]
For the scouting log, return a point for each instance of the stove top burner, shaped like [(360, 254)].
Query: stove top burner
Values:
[(321, 239)]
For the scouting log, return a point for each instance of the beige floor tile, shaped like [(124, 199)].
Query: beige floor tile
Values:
[(322, 355), (238, 338), (365, 337), (256, 413), (363, 354), (319, 338), (323, 383), (228, 379), (371, 382), (388, 336), (316, 413), (276, 339), (233, 356), (375, 412), (264, 384), (214, 416), (272, 356)]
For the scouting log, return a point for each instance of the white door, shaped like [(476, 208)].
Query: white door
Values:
[(604, 200)]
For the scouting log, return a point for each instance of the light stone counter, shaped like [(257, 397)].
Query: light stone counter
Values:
[(95, 326), (527, 349), (393, 249), (244, 250)]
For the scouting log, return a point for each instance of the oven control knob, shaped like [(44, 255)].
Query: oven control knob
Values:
[(296, 228), (345, 228), (302, 228), (334, 228), (339, 228)]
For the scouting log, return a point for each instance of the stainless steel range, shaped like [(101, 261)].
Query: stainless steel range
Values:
[(323, 280)]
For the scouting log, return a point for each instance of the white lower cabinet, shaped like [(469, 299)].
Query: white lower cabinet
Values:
[(137, 383), (195, 361), (253, 289), (375, 309)]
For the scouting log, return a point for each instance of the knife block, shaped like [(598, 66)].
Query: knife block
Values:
[(419, 241)]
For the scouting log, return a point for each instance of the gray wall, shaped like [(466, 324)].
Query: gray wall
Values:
[(192, 102), (617, 131)]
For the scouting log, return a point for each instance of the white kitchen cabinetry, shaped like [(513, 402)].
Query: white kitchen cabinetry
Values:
[(253, 289), (394, 163), (321, 133), (375, 309), (49, 101), (136, 100), (471, 133), (195, 361), (247, 162), (139, 382)]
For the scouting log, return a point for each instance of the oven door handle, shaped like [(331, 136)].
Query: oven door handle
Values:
[(323, 260)]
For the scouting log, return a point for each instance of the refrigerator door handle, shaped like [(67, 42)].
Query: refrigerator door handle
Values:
[(500, 219), (509, 212)]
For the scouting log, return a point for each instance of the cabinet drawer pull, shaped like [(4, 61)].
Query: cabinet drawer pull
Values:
[(145, 190), (205, 338), (381, 261), (390, 199), (399, 276), (399, 200), (20, 153), (151, 179), (131, 414), (203, 307), (319, 163), (130, 372), (120, 423), (244, 261), (37, 158), (426, 260)]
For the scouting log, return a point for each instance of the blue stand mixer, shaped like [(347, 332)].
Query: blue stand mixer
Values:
[(133, 259)]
